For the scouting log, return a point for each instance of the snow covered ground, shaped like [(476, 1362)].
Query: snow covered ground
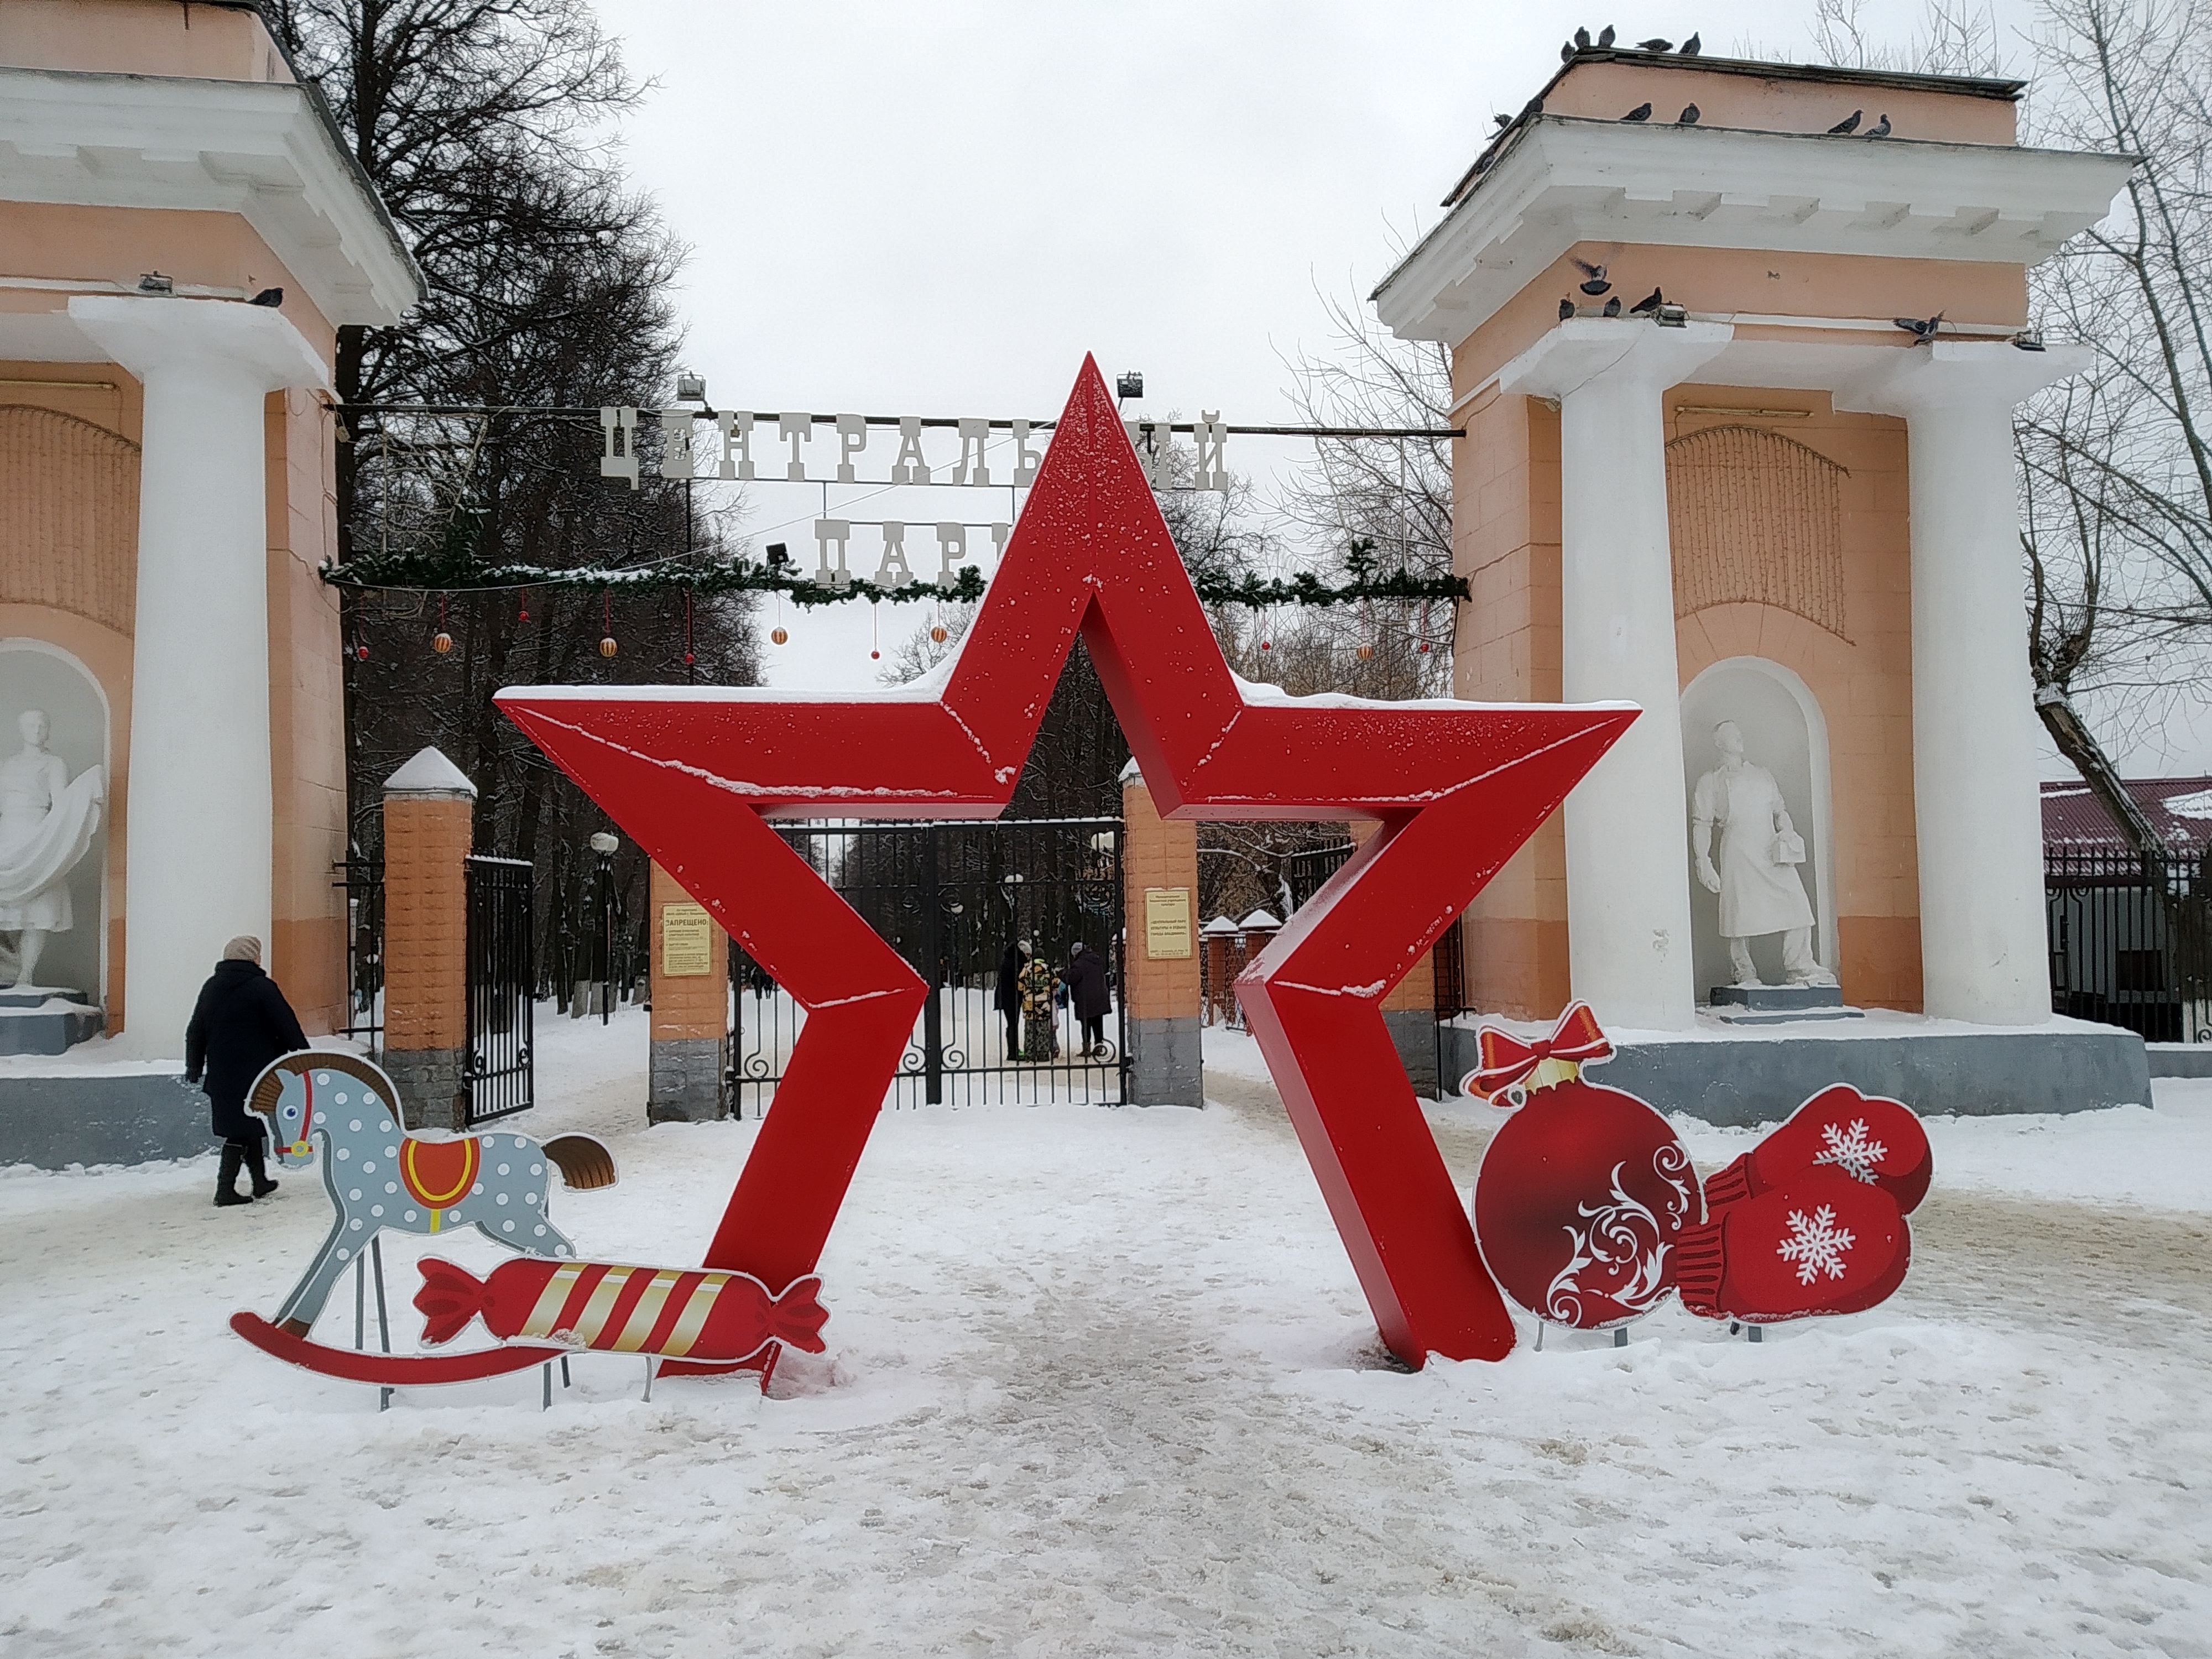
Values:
[(1101, 1381)]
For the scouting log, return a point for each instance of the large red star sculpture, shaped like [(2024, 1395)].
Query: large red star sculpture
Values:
[(695, 774)]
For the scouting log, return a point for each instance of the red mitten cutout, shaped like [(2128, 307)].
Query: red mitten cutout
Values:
[(1877, 1141), (1823, 1244)]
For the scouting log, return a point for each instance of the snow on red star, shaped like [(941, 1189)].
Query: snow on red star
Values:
[(695, 774)]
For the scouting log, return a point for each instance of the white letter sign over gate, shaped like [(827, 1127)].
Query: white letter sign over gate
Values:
[(951, 547), (894, 571), (736, 444), (794, 429), (909, 468), (676, 444), (1212, 438), (852, 439), (827, 532), (619, 459), (973, 434)]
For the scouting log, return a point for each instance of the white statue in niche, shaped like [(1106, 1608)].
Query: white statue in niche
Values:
[(1757, 871), (47, 826)]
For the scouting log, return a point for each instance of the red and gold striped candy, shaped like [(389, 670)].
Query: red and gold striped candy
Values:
[(675, 1313)]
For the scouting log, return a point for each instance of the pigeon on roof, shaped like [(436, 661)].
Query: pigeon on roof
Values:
[(1689, 116), (1641, 112), (1693, 46), (1880, 129), (1849, 123)]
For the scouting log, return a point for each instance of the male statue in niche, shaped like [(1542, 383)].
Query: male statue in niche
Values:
[(47, 826), (1756, 873)]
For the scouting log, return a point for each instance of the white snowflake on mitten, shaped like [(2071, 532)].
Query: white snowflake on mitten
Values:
[(1850, 1149), (1816, 1245)]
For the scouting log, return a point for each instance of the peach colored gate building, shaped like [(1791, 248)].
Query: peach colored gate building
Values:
[(1727, 485), (165, 488)]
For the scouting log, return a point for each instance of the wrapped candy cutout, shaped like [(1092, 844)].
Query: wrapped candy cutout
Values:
[(687, 1314), (1823, 1243), (1584, 1191), (1877, 1141)]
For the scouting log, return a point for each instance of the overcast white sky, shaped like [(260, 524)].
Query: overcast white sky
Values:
[(939, 209)]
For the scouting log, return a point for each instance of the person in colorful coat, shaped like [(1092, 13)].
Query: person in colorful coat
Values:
[(1040, 1027)]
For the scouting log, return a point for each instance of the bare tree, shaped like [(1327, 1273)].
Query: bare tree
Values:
[(487, 126), (2119, 466), (1382, 504)]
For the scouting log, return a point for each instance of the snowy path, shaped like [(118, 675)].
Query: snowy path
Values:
[(1102, 1383)]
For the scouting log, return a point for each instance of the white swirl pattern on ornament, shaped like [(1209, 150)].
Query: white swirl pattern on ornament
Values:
[(1626, 1241)]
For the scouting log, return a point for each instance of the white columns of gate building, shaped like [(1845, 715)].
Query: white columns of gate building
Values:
[(200, 840), (1979, 827)]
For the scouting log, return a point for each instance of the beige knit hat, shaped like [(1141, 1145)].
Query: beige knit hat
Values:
[(244, 948)]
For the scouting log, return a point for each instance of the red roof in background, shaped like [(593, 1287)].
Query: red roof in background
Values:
[(2072, 817)]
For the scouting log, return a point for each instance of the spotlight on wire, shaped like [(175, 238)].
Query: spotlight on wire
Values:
[(691, 387), (1129, 384)]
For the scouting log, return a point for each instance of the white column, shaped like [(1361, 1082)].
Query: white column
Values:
[(1628, 894), (199, 842), (1977, 814)]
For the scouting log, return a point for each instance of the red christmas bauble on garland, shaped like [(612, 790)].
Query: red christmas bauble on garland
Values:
[(1584, 1191)]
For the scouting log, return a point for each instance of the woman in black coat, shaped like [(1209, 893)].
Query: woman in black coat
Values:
[(241, 1023), (1085, 974), (1007, 997)]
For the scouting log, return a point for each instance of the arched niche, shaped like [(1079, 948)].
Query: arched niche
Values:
[(1784, 731), (36, 674)]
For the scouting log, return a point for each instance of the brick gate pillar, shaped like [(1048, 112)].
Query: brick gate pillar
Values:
[(690, 1045), (1410, 1009), (1159, 955), (429, 820)]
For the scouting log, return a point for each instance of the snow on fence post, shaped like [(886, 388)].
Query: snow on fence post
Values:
[(1159, 971), (691, 1035), (429, 819)]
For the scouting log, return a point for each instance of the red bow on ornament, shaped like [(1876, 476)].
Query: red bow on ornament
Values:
[(1506, 1060)]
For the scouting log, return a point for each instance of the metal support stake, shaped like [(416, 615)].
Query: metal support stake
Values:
[(933, 1013), (649, 1364), (1620, 1336), (383, 1319)]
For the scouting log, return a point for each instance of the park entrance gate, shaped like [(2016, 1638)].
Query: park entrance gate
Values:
[(950, 898)]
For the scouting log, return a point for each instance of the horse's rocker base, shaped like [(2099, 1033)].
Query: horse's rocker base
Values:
[(394, 1371)]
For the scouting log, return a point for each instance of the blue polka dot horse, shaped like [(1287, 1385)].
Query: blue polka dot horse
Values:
[(379, 1175)]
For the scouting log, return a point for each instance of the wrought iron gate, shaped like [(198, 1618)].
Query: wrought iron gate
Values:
[(361, 881), (496, 1074), (2131, 940), (952, 898)]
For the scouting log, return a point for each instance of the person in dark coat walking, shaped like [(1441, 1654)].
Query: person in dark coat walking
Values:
[(1085, 974), (241, 1023), (1007, 997)]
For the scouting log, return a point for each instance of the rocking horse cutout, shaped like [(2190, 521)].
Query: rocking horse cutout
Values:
[(694, 774), (380, 1177)]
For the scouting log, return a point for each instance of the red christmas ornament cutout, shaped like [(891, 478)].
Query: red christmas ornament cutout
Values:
[(1584, 1191), (694, 777)]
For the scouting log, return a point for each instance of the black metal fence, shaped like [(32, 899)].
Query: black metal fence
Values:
[(2129, 939), (953, 899), (498, 1074), (361, 880)]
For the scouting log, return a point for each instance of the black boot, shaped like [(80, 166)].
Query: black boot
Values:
[(226, 1178), (262, 1185)]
